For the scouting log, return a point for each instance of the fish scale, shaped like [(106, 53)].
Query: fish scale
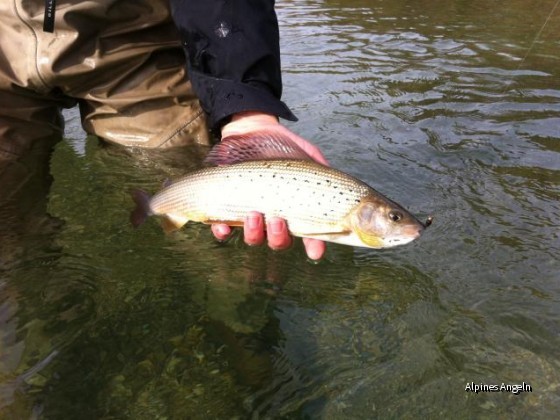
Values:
[(312, 198), (274, 176)]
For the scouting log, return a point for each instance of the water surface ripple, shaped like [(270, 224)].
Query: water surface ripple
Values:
[(451, 109)]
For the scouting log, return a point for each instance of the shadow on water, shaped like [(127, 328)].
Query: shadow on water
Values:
[(26, 232)]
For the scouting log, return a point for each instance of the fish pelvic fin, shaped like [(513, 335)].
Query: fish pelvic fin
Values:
[(254, 146), (142, 209), (232, 223)]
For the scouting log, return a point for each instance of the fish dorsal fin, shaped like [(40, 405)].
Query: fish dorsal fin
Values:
[(254, 146)]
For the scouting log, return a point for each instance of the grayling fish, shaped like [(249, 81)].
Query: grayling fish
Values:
[(276, 178)]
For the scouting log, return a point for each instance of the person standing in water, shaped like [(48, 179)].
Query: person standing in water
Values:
[(150, 74)]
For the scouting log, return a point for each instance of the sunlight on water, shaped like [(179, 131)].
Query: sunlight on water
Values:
[(450, 109)]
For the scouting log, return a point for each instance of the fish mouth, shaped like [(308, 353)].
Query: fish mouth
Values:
[(409, 234)]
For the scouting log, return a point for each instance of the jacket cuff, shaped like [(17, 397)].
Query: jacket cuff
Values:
[(225, 98)]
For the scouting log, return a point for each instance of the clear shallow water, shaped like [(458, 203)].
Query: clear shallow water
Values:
[(450, 108)]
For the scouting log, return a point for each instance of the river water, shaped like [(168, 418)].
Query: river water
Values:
[(451, 108)]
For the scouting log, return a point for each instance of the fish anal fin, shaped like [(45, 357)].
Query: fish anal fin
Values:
[(171, 223), (255, 146)]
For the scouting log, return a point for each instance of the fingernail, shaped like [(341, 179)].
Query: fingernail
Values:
[(314, 255), (252, 222), (276, 227), (223, 230)]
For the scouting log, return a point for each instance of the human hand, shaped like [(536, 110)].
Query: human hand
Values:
[(277, 234)]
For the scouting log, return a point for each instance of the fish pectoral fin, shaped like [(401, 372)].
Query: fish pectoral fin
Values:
[(370, 240), (171, 223)]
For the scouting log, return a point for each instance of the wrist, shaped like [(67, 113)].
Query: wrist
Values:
[(248, 121), (254, 116)]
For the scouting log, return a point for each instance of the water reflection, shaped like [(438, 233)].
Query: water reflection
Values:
[(334, 340), (148, 323)]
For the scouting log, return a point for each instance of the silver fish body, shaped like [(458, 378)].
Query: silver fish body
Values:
[(316, 201)]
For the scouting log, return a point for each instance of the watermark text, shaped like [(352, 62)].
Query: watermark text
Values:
[(503, 387)]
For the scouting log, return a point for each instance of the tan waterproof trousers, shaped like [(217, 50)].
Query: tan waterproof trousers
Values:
[(121, 61)]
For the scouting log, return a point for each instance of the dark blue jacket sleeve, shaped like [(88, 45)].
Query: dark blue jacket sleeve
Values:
[(233, 56)]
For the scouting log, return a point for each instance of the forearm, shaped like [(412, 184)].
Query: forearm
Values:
[(233, 56)]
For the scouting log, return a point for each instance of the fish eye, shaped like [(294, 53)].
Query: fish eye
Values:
[(395, 215)]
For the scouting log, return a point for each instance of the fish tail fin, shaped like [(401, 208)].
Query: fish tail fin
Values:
[(142, 210)]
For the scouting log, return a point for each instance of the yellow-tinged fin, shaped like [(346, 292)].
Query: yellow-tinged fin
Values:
[(373, 241), (171, 223), (254, 146)]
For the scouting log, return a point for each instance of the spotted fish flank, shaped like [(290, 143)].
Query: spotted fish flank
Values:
[(317, 201)]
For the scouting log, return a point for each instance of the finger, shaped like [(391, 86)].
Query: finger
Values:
[(221, 231), (314, 248), (253, 229), (277, 234)]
